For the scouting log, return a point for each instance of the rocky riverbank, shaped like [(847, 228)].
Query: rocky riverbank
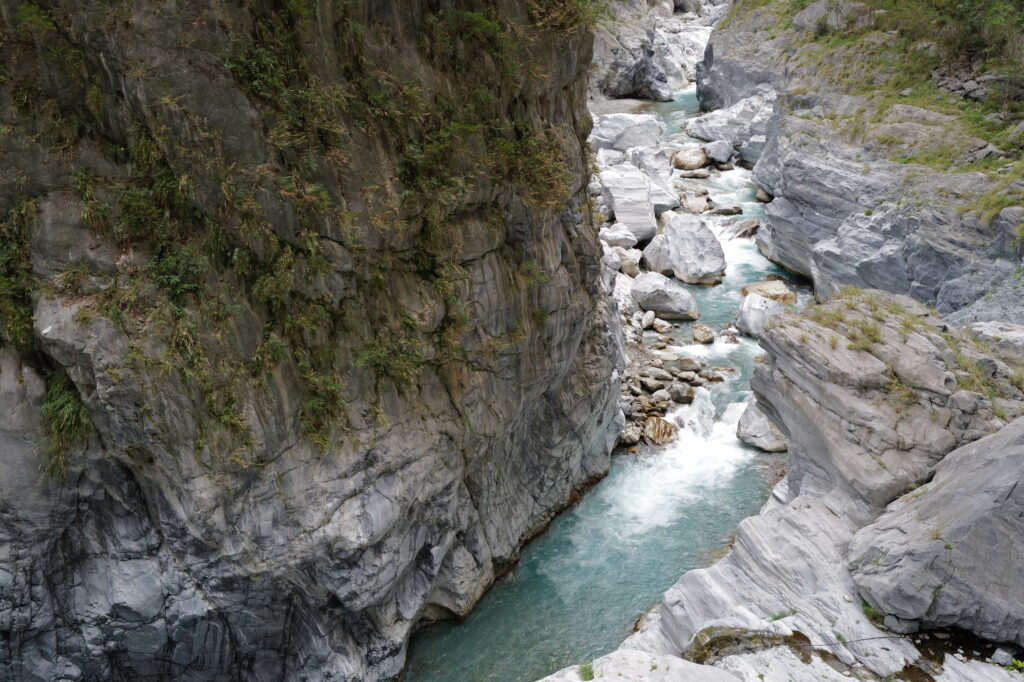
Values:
[(887, 410)]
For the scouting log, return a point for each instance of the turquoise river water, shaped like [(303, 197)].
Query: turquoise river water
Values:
[(579, 587)]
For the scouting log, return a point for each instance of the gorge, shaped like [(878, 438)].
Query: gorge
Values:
[(511, 339)]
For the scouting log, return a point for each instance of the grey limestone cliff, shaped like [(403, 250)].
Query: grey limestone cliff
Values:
[(301, 314)]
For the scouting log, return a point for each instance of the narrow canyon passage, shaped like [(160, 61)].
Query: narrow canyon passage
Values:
[(659, 513)]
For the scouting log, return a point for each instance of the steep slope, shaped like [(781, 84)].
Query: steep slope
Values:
[(301, 316), (894, 159)]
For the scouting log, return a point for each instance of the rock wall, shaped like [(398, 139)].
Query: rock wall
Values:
[(876, 184), (302, 316)]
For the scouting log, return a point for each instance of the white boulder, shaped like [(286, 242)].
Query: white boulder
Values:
[(622, 131), (756, 429), (688, 250), (627, 192), (755, 311), (617, 234), (667, 298)]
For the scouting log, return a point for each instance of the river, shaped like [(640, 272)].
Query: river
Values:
[(579, 587)]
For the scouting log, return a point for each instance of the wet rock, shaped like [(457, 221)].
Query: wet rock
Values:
[(658, 431), (687, 249), (773, 289), (689, 158), (703, 334), (726, 210), (755, 311), (719, 151), (693, 202), (631, 435), (667, 298), (763, 196), (682, 394), (662, 327), (744, 229), (754, 428)]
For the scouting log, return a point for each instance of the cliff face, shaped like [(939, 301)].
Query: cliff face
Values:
[(301, 316), (886, 173)]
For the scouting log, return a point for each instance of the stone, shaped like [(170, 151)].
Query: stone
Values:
[(622, 293), (617, 234), (773, 288), (640, 665), (620, 132), (648, 320), (743, 229), (689, 158), (631, 435), (651, 385), (627, 193), (755, 311), (754, 428), (661, 326), (630, 259), (682, 394), (693, 202), (763, 196), (1005, 338), (661, 396), (1004, 656), (743, 125), (667, 298), (947, 555), (703, 334), (719, 151), (657, 431), (688, 250), (726, 210)]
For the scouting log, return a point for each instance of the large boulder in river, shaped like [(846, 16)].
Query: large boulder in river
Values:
[(772, 288), (719, 151), (687, 249), (756, 429), (667, 298), (690, 158), (622, 131), (744, 125), (627, 192), (755, 311), (950, 553)]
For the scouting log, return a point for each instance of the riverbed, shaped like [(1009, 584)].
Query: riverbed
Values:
[(660, 512)]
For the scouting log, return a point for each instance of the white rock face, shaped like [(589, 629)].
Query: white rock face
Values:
[(744, 125), (667, 298), (617, 235), (622, 131), (688, 250), (755, 311), (949, 553), (627, 192), (1006, 338), (755, 429)]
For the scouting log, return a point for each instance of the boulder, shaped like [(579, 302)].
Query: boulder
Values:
[(719, 151), (744, 125), (763, 196), (658, 431), (949, 554), (687, 249), (755, 311), (667, 298), (622, 292), (703, 334), (629, 259), (622, 131), (661, 326), (754, 428), (617, 234), (690, 158), (773, 288), (610, 157), (627, 192), (743, 229), (631, 435), (693, 202)]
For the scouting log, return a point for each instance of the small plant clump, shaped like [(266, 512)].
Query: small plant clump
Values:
[(68, 422), (783, 614), (587, 671)]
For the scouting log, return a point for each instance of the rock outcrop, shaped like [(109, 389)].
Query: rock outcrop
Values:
[(945, 555), (879, 190), (755, 429), (301, 311)]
